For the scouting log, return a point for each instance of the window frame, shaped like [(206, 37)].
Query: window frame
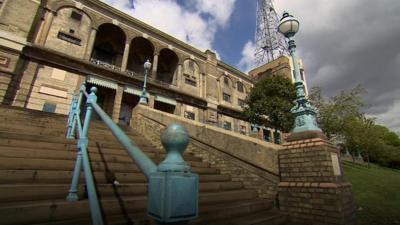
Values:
[(228, 99)]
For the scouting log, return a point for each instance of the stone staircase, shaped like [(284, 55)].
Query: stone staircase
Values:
[(36, 163)]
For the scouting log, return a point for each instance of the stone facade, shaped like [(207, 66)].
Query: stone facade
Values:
[(59, 44), (245, 159)]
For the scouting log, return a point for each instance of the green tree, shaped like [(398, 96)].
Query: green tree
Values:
[(333, 113), (341, 119), (270, 101), (360, 136)]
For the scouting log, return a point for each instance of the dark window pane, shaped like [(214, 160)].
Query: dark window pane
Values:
[(240, 87), (190, 82), (226, 97), (241, 102), (76, 16), (49, 107), (227, 125), (226, 81), (189, 115)]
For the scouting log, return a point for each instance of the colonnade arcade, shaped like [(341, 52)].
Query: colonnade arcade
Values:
[(112, 50)]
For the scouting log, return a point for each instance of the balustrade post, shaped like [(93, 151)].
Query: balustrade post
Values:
[(83, 145), (173, 189), (76, 104), (71, 115), (77, 112)]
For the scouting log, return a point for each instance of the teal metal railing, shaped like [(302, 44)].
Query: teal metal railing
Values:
[(172, 189)]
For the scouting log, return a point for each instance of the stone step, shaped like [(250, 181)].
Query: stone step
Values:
[(31, 192), (42, 142), (267, 217), (242, 208), (56, 210), (208, 214), (50, 142), (44, 131), (8, 163), (64, 177)]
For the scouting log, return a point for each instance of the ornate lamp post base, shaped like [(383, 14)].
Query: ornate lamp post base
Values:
[(143, 100), (305, 112)]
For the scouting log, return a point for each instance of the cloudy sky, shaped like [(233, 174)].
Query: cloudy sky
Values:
[(342, 43)]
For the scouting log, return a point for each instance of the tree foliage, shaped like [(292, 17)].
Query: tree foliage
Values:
[(341, 119), (270, 101), (334, 112)]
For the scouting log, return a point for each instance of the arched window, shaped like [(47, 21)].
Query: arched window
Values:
[(109, 48), (226, 81), (141, 50), (191, 72), (167, 64), (240, 87)]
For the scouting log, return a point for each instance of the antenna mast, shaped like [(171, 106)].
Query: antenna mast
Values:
[(270, 44)]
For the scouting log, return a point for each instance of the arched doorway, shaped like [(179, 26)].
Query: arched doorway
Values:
[(167, 66), (140, 50), (109, 44)]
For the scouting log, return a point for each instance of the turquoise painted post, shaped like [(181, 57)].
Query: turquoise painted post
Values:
[(173, 189), (304, 112), (75, 119), (83, 145), (78, 108), (71, 115)]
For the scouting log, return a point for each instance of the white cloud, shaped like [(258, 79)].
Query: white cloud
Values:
[(220, 10), (390, 118), (246, 63), (195, 26)]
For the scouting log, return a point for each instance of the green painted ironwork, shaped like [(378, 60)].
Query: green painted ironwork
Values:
[(303, 110), (83, 159), (173, 188), (143, 96)]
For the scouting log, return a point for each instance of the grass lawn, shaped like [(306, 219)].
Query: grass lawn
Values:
[(376, 192)]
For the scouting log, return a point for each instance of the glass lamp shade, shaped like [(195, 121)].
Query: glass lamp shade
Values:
[(288, 25), (147, 65)]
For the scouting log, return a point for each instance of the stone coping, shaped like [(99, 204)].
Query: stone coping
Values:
[(250, 150), (314, 185)]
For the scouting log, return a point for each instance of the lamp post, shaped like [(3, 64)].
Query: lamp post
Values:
[(143, 97), (304, 112)]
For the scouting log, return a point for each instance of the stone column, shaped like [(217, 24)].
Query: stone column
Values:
[(23, 90), (272, 135), (200, 85), (178, 109), (90, 44), (44, 31), (219, 91), (179, 76), (312, 188), (117, 103), (151, 101), (125, 56), (155, 65)]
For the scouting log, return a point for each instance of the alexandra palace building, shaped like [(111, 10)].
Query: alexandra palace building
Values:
[(48, 48)]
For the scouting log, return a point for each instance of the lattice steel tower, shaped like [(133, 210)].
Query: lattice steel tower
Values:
[(270, 44)]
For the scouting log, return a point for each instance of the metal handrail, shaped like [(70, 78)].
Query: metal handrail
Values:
[(164, 180)]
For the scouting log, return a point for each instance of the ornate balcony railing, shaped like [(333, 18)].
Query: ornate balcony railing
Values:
[(105, 64), (165, 205)]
